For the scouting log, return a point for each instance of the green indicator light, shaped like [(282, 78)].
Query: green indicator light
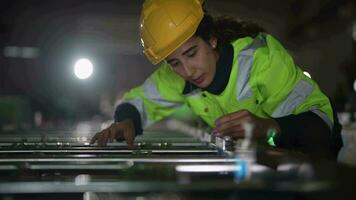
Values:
[(271, 134)]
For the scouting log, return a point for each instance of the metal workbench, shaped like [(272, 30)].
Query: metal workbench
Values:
[(162, 165)]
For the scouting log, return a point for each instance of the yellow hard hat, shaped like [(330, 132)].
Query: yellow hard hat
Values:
[(167, 24)]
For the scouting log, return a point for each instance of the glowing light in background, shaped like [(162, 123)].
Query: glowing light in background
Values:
[(355, 85), (307, 74), (83, 68)]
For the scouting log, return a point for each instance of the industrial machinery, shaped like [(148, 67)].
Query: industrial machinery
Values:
[(171, 164)]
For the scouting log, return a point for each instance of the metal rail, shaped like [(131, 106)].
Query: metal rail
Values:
[(94, 151), (141, 160)]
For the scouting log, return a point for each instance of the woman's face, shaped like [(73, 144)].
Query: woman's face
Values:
[(195, 61)]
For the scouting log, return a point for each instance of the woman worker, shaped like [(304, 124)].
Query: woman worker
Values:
[(229, 73)]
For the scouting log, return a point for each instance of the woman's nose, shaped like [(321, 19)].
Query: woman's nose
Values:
[(189, 70)]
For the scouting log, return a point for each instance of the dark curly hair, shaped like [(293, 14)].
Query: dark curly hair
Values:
[(226, 29)]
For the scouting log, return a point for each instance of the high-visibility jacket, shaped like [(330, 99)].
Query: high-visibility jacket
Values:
[(262, 79)]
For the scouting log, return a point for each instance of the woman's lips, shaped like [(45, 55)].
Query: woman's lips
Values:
[(199, 80)]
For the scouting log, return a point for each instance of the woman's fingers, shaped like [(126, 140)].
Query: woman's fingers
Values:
[(103, 137), (119, 130), (129, 136), (234, 124), (235, 131), (236, 116), (94, 138)]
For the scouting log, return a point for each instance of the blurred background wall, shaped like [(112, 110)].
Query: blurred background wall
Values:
[(40, 40)]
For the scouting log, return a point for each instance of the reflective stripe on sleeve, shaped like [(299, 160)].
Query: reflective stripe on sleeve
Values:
[(245, 61), (151, 92), (295, 98)]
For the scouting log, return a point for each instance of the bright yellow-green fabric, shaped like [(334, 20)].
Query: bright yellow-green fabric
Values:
[(273, 76), (168, 84)]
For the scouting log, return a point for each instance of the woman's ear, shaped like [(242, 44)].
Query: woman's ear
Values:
[(213, 42)]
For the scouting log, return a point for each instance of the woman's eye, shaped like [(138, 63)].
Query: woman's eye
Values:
[(191, 54), (174, 64)]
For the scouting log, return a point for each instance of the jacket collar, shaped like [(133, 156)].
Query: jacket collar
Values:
[(222, 74)]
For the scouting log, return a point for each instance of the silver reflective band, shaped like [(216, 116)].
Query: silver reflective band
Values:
[(138, 103), (151, 92), (323, 116), (245, 61), (295, 98)]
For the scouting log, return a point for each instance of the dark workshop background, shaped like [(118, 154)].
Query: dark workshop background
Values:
[(40, 40)]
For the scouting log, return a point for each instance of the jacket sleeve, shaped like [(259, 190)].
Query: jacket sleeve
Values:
[(128, 111), (302, 111), (308, 133), (158, 97)]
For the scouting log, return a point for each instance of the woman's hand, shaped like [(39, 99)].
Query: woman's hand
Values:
[(123, 130), (232, 125)]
